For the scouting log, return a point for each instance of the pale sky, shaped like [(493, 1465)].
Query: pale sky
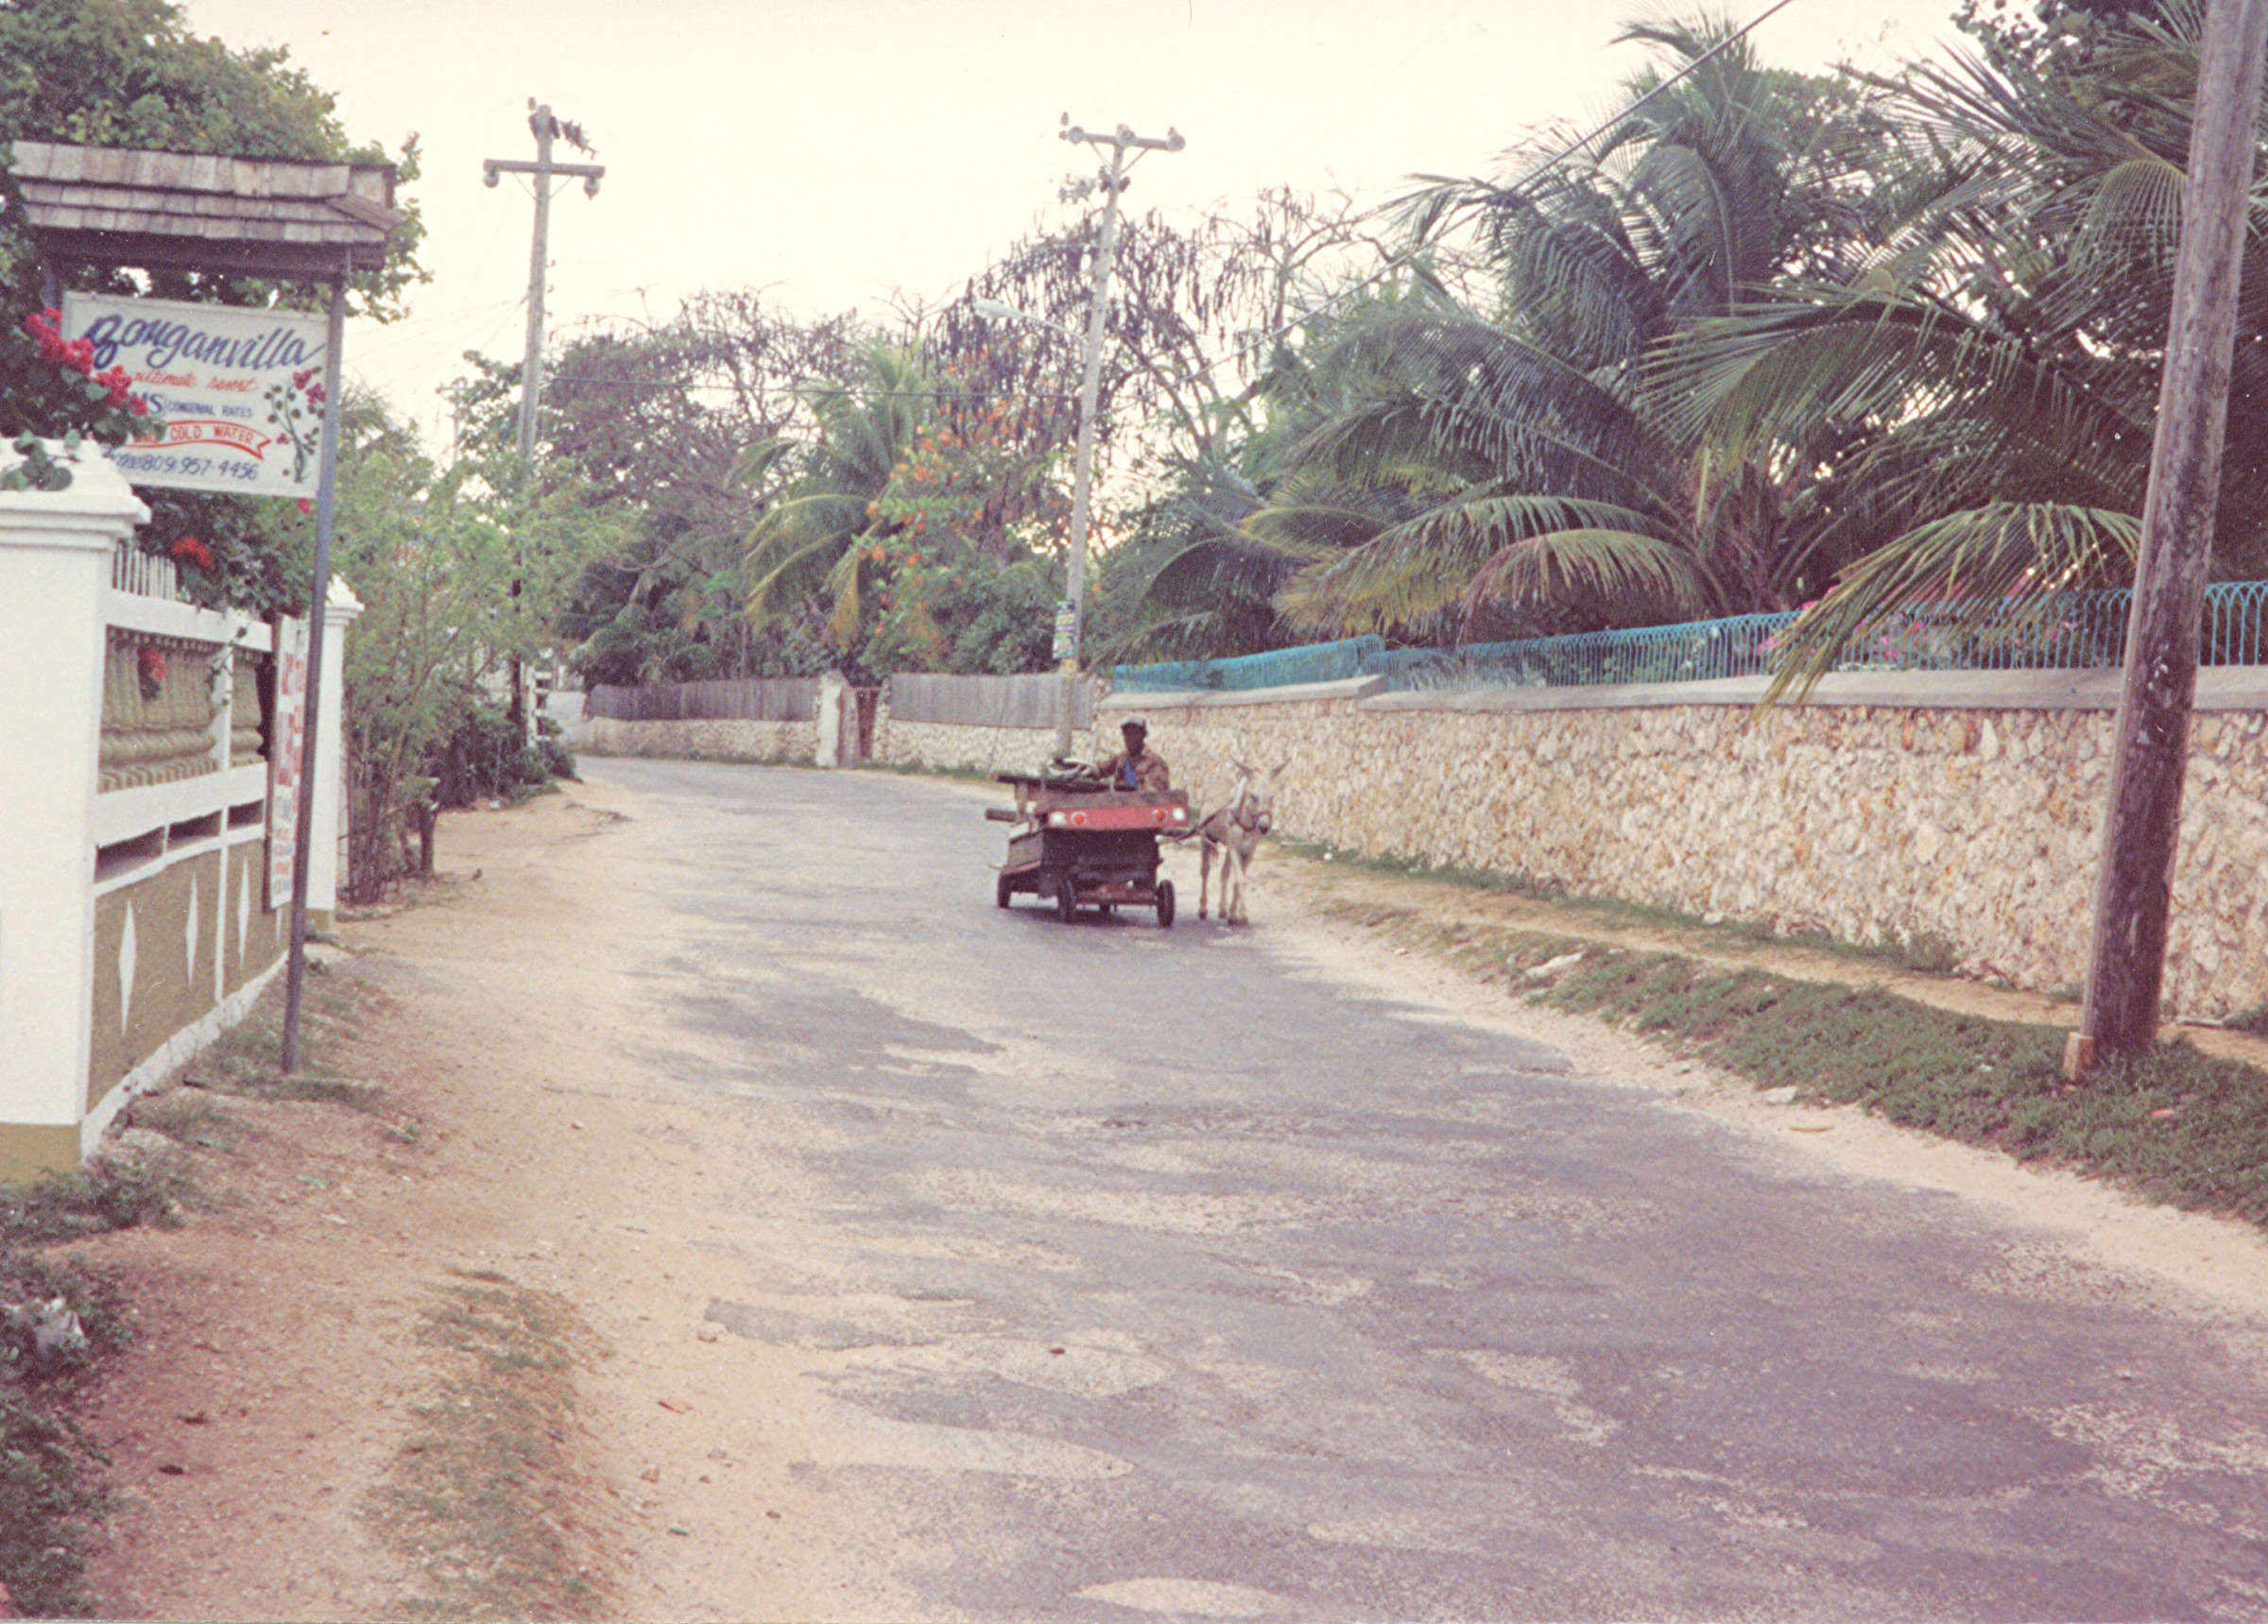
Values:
[(829, 151)]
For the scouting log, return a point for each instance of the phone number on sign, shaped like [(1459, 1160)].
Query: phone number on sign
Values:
[(189, 467)]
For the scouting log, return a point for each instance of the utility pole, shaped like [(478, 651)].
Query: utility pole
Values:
[(546, 130), (2141, 827), (1068, 619)]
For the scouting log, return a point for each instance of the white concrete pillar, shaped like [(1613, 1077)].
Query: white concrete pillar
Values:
[(55, 566), (330, 786), (832, 693)]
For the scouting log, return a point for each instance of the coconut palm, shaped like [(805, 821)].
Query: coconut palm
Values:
[(823, 539), (1989, 374), (1539, 473)]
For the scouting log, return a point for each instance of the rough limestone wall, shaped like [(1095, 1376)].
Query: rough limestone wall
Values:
[(975, 749), (1980, 827), (704, 741)]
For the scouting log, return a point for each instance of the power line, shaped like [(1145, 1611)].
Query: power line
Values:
[(805, 391)]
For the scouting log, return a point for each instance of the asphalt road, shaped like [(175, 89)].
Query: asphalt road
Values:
[(1159, 1272)]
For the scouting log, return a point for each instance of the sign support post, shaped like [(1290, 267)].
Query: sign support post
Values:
[(295, 969)]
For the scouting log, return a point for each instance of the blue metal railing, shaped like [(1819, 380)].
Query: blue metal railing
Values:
[(1278, 668), (2073, 631)]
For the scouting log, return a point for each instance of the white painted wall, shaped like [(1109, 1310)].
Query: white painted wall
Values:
[(55, 566), (55, 607), (343, 609)]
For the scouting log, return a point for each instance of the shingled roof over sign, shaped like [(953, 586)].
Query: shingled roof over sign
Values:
[(186, 211)]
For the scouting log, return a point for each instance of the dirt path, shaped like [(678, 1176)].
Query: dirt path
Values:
[(257, 1429), (286, 1362)]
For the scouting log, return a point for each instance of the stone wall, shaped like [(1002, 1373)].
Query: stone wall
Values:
[(963, 748), (709, 741), (1962, 807), (1966, 808)]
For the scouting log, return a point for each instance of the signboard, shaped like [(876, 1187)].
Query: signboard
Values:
[(1067, 629), (241, 391), (286, 760)]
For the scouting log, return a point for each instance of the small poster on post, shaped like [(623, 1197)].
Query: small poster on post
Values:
[(239, 391), (287, 756)]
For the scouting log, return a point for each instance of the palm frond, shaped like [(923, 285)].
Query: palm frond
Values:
[(1964, 568)]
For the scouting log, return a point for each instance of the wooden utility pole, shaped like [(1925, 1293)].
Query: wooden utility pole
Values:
[(1070, 617), (2133, 889), (547, 129)]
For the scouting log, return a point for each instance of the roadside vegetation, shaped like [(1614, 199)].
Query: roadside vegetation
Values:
[(482, 1499), (2176, 1126), (63, 1318)]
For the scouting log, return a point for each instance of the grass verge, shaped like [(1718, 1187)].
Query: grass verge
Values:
[(1920, 951), (2176, 1126), (479, 1497)]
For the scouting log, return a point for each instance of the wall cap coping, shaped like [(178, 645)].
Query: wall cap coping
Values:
[(340, 605), (1226, 698), (2219, 687), (95, 511)]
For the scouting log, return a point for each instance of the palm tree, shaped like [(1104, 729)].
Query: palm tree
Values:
[(824, 540), (1516, 460), (1988, 375)]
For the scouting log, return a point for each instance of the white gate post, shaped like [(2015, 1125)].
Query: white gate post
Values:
[(330, 786), (832, 691), (55, 566)]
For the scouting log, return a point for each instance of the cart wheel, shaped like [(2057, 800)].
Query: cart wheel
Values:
[(1166, 904), (1001, 890), (1067, 898)]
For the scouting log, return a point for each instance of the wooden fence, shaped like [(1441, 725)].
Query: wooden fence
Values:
[(1029, 702), (747, 699)]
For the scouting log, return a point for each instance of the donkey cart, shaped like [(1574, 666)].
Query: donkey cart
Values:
[(1079, 842)]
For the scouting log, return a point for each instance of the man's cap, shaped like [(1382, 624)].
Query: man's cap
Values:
[(1134, 722)]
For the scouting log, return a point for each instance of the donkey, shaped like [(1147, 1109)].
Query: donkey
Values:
[(1234, 831)]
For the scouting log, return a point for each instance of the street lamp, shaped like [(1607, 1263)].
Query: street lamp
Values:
[(1121, 141)]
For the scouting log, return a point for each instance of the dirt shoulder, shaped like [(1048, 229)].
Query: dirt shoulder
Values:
[(413, 1353)]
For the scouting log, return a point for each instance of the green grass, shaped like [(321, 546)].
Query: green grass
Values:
[(1921, 952), (480, 1497), (2176, 1126), (247, 1059)]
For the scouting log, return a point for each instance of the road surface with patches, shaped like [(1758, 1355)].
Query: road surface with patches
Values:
[(1153, 1273)]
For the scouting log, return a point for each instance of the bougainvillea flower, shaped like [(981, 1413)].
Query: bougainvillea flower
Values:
[(189, 550)]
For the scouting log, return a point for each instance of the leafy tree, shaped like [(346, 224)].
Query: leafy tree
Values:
[(130, 73), (434, 553), (652, 419), (827, 540)]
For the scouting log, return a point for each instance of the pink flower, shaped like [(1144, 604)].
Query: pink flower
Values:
[(305, 505)]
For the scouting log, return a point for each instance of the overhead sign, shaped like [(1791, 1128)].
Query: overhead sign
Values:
[(240, 391)]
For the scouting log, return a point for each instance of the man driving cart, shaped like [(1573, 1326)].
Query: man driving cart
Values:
[(1137, 767), (1088, 836)]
